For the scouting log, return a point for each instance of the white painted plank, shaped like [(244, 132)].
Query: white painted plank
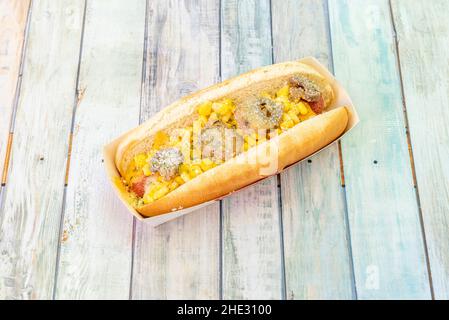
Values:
[(179, 259), (388, 250), (252, 264), (30, 219), (96, 247), (423, 38), (317, 259), (13, 20)]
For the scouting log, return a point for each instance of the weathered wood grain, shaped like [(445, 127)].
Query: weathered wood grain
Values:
[(179, 259), (388, 250), (317, 259), (30, 219), (252, 258), (96, 246), (423, 39), (13, 20)]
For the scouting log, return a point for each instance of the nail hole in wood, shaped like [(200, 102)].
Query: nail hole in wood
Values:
[(375, 161), (309, 161)]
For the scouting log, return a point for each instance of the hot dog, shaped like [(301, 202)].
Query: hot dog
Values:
[(225, 137)]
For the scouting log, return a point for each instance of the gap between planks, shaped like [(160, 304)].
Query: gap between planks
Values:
[(69, 153), (342, 171), (7, 157), (79, 94), (142, 86), (279, 191), (331, 65), (410, 149), (78, 97), (221, 212)]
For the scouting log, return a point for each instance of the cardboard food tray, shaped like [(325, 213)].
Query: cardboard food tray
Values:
[(341, 99)]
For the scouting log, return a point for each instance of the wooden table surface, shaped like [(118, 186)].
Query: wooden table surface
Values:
[(364, 219)]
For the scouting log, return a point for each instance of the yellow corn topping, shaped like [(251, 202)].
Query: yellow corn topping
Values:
[(205, 109), (208, 112)]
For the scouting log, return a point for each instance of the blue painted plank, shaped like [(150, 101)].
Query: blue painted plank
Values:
[(388, 249), (317, 259), (423, 38)]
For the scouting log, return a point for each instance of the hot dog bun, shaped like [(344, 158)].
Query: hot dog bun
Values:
[(293, 145)]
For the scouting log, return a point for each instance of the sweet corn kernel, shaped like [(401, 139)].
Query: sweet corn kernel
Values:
[(183, 168), (288, 106), (303, 108), (173, 185), (216, 107), (213, 117), (147, 199), (179, 180), (206, 164), (160, 138), (185, 176), (225, 108), (229, 105), (195, 170), (140, 160), (161, 192), (293, 116), (146, 170), (285, 102), (228, 102), (294, 108), (283, 92), (285, 117), (226, 117), (287, 124), (282, 99), (152, 188), (205, 109)]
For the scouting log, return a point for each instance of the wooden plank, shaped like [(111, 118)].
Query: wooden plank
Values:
[(30, 220), (95, 258), (388, 250), (317, 259), (423, 37), (13, 20), (179, 259), (252, 258)]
